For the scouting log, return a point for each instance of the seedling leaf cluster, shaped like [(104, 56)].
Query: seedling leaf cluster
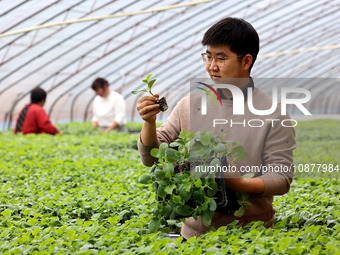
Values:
[(78, 193), (149, 85), (184, 188), (163, 106)]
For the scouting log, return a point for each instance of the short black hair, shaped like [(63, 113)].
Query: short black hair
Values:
[(99, 83), (38, 95), (238, 34)]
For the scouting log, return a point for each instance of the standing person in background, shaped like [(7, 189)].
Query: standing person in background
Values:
[(32, 118), (108, 108)]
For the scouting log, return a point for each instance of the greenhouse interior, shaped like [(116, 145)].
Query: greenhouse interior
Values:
[(90, 191)]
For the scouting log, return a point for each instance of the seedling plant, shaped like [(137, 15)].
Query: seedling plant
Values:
[(163, 106), (182, 191), (78, 194)]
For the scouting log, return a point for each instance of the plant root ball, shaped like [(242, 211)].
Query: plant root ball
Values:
[(163, 106)]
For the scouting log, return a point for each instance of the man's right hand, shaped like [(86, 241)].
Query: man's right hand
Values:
[(148, 109)]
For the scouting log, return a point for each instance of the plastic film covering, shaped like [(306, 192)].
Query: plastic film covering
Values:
[(299, 39)]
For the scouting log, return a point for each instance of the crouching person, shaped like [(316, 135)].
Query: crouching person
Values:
[(33, 119)]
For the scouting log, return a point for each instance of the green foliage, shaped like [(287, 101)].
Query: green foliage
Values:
[(181, 191), (148, 83), (317, 143), (75, 128), (78, 193)]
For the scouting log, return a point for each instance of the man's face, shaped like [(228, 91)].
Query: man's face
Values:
[(231, 68)]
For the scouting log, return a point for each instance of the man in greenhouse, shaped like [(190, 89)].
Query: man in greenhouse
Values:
[(232, 48), (33, 118), (108, 108)]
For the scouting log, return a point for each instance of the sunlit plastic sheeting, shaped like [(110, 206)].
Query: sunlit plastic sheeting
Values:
[(65, 59)]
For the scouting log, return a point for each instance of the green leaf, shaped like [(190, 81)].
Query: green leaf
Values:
[(179, 178), (239, 212), (177, 143), (196, 174), (176, 199), (32, 221), (173, 214), (159, 173), (153, 168), (168, 167), (248, 175), (295, 219), (169, 189), (162, 148), (168, 174), (151, 84), (205, 140), (145, 179), (55, 223), (7, 212), (219, 148), (113, 220), (205, 205), (148, 77), (215, 162), (154, 224), (184, 210), (199, 196), (198, 183), (154, 153), (238, 153), (212, 188), (167, 209), (191, 239), (164, 181), (187, 187), (171, 155), (179, 240), (26, 211), (194, 156), (138, 91), (212, 205), (182, 134), (207, 218), (36, 231), (184, 192), (161, 192), (246, 205)]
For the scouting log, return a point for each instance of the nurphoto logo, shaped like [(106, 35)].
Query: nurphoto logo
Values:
[(238, 99)]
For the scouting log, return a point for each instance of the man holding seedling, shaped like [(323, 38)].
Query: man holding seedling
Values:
[(108, 108), (33, 119), (232, 48)]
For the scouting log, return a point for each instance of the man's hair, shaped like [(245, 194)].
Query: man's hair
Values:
[(99, 83), (238, 34), (38, 95)]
